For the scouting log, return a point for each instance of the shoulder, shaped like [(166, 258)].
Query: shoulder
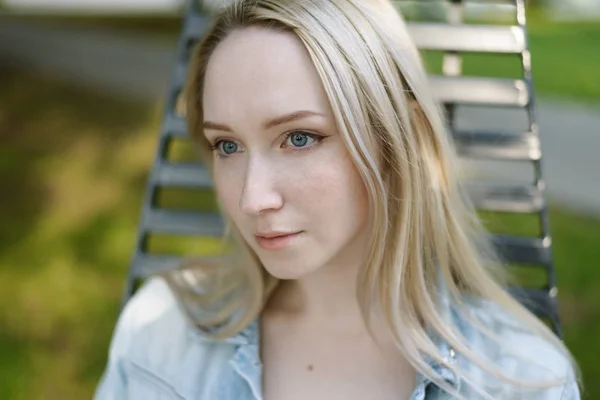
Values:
[(154, 341), (150, 305), (152, 317), (521, 353), (147, 317)]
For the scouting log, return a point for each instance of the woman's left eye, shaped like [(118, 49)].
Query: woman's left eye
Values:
[(301, 139)]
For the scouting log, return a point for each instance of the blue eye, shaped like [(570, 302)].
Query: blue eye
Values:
[(300, 139), (229, 147), (225, 147)]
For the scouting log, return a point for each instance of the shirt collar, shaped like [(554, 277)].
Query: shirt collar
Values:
[(246, 361), (442, 369), (248, 336)]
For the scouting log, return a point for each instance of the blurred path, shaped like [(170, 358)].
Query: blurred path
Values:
[(122, 64), (141, 67)]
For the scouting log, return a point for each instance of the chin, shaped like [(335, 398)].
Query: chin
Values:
[(288, 271)]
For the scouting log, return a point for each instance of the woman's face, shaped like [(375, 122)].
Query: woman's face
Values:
[(281, 170)]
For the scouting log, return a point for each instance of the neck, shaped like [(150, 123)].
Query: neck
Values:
[(328, 296)]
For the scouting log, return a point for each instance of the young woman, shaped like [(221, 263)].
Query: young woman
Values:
[(361, 271)]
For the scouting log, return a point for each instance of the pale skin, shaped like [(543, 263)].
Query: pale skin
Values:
[(281, 165)]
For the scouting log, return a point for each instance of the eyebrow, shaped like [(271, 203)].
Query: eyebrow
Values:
[(271, 123)]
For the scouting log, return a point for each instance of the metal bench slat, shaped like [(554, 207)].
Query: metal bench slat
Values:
[(470, 38), (506, 198), (523, 250), (175, 126), (183, 222), (500, 10), (180, 75), (195, 176), (538, 301), (195, 25), (479, 91), (146, 265), (465, 3), (497, 145)]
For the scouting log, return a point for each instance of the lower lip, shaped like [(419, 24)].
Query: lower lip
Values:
[(276, 243)]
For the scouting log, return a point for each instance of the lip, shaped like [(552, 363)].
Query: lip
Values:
[(276, 240)]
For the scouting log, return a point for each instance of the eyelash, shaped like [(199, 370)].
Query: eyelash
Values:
[(317, 137)]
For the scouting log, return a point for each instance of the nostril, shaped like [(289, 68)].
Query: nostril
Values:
[(260, 200)]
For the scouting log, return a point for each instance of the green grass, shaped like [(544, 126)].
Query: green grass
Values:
[(73, 166), (72, 169), (566, 59)]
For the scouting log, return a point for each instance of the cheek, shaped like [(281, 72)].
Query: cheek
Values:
[(228, 184), (332, 189)]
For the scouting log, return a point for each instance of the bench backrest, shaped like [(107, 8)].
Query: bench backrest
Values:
[(178, 201)]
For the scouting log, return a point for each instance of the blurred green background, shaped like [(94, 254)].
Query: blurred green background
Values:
[(73, 167)]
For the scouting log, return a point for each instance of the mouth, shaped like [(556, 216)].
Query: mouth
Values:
[(276, 241)]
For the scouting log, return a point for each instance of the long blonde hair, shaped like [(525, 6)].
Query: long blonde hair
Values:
[(423, 227)]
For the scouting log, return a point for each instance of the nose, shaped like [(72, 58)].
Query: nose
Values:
[(260, 192)]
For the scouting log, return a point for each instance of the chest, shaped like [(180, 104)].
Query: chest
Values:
[(345, 368)]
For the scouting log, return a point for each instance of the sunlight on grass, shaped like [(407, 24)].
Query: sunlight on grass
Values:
[(72, 176), (73, 183)]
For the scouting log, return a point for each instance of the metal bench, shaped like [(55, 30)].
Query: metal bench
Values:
[(441, 26)]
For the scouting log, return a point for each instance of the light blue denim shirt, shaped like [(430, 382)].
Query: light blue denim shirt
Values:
[(156, 354)]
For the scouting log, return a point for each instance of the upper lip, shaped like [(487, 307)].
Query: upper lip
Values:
[(273, 234)]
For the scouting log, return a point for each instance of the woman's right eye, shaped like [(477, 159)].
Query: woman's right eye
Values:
[(225, 147)]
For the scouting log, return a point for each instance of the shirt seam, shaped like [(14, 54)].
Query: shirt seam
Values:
[(152, 379)]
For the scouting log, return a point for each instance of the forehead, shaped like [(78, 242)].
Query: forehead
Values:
[(257, 72)]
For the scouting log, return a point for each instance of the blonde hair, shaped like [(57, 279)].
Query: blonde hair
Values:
[(423, 227)]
